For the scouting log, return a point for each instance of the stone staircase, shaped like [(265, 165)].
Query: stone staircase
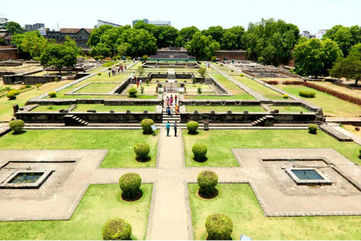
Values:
[(171, 118), (73, 120), (264, 121)]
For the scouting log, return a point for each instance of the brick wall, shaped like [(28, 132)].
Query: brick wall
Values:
[(8, 53)]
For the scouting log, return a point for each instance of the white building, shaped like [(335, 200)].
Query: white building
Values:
[(160, 23), (320, 33), (3, 22), (102, 22)]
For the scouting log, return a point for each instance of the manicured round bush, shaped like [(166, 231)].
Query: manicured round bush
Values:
[(307, 94), (142, 152), (200, 152), (359, 155), (117, 229), (312, 129), (17, 126), (130, 185), (285, 96), (12, 94), (219, 227), (207, 182), (147, 126), (132, 93), (52, 94), (192, 127)]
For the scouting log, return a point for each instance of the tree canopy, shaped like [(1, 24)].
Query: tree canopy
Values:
[(30, 43), (59, 55), (345, 37), (315, 57), (202, 47), (13, 28), (270, 41)]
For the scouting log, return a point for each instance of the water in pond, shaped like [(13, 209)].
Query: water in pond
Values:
[(307, 174), (26, 177)]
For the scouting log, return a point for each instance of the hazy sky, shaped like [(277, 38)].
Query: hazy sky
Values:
[(307, 14)]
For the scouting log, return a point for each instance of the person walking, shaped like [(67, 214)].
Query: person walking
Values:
[(175, 128), (171, 100), (167, 126), (167, 100), (176, 99), (169, 111)]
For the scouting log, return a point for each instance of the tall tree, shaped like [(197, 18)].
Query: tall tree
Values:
[(139, 42), (31, 43), (315, 57), (233, 38), (216, 32), (202, 47), (345, 37), (59, 56), (14, 28), (185, 35), (271, 41)]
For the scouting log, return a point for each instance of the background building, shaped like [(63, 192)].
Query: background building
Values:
[(34, 27), (320, 33), (101, 23), (80, 35), (157, 22)]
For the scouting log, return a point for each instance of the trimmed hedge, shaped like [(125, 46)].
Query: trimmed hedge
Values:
[(219, 227), (312, 129), (117, 229), (52, 94), (207, 182), (192, 127), (132, 93), (130, 185), (12, 94), (200, 152), (307, 94), (147, 126), (142, 152), (17, 126)]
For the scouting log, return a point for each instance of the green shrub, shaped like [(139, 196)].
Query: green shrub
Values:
[(200, 152), (130, 186), (12, 94), (307, 94), (207, 182), (285, 96), (199, 90), (312, 129), (52, 94), (132, 93), (17, 126), (142, 152), (219, 227), (192, 127), (117, 229), (147, 126), (38, 86), (241, 75)]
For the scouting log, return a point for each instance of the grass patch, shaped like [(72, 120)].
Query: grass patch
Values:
[(100, 203), (261, 89), (50, 108), (119, 108), (100, 88), (119, 143), (290, 108), (238, 202), (206, 108), (331, 105), (221, 142)]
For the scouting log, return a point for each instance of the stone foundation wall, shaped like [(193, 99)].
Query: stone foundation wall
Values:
[(248, 117), (100, 117), (8, 53), (28, 79), (93, 101)]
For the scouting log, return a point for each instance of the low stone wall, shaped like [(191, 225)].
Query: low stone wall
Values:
[(94, 101), (28, 79), (220, 102), (8, 53), (100, 117), (229, 117)]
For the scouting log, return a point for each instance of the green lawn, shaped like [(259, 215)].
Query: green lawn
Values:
[(99, 88), (6, 110), (99, 204), (331, 105), (219, 97), (261, 89), (50, 108), (238, 202), (119, 143), (290, 108), (206, 108), (221, 142), (119, 108)]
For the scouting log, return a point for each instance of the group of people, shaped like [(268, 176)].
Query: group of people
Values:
[(175, 126), (172, 101), (116, 70)]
